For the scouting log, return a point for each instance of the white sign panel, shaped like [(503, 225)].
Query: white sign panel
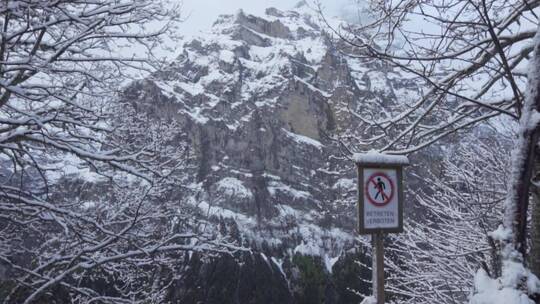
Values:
[(380, 190)]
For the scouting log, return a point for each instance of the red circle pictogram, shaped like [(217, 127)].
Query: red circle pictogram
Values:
[(376, 189)]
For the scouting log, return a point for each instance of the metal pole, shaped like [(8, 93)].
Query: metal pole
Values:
[(374, 264), (378, 267)]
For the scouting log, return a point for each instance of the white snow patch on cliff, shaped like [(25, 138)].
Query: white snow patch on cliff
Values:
[(196, 114), (308, 249), (301, 139), (276, 187), (312, 87), (345, 183), (226, 213), (285, 210), (234, 187), (193, 89), (226, 56), (313, 49)]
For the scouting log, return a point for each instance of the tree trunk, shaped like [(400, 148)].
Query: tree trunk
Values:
[(524, 157), (523, 188), (534, 256)]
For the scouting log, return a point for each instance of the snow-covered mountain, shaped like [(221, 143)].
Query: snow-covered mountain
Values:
[(260, 100)]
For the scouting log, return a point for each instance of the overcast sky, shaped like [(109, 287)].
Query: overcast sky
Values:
[(201, 14)]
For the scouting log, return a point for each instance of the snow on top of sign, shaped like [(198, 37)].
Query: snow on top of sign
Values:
[(375, 157)]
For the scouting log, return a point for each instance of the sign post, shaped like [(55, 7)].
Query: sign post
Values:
[(380, 205)]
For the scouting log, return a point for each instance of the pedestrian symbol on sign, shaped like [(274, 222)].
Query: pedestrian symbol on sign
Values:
[(379, 189), (380, 186)]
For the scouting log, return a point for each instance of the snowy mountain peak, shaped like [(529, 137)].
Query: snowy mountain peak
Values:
[(258, 99), (275, 23), (301, 4)]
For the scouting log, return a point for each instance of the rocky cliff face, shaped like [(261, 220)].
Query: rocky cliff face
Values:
[(259, 101)]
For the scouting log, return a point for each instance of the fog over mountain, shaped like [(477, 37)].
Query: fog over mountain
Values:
[(201, 14)]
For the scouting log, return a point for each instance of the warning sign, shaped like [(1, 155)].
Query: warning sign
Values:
[(379, 189), (380, 199)]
